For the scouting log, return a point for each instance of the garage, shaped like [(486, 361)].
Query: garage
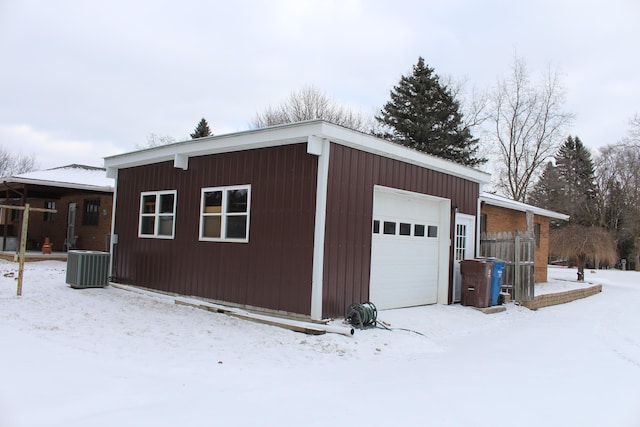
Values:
[(409, 249)]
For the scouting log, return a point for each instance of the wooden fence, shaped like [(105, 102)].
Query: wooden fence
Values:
[(518, 253)]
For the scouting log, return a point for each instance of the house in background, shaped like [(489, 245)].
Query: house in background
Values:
[(81, 195), (500, 214), (303, 219)]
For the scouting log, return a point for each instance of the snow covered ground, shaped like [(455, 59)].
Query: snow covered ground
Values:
[(112, 357)]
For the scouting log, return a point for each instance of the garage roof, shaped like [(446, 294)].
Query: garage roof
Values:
[(286, 134)]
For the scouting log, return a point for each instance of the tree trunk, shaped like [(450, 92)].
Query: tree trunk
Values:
[(582, 260)]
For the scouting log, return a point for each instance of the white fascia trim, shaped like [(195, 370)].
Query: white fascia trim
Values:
[(317, 276), (503, 202), (259, 138), (291, 134)]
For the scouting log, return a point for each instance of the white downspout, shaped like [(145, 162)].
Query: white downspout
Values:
[(113, 239), (478, 222), (321, 148)]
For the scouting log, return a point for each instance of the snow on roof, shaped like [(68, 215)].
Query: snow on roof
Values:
[(71, 176), (503, 202)]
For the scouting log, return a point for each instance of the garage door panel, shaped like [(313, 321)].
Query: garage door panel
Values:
[(404, 268), (404, 294), (404, 207), (406, 253)]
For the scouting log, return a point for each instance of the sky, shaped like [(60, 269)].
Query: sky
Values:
[(80, 80)]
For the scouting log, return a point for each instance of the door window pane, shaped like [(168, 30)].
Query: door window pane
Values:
[(389, 227), (405, 229)]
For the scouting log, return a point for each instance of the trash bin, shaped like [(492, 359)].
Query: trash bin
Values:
[(496, 278), (476, 282)]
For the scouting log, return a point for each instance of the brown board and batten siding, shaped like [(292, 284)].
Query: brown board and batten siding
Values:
[(273, 270), (352, 177)]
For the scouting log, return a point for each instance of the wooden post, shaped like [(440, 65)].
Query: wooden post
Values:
[(517, 282), (23, 246), (23, 237)]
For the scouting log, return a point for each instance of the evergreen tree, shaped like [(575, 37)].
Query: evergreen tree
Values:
[(201, 130), (547, 193), (423, 114), (576, 174)]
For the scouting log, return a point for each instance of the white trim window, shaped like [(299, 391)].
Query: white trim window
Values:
[(224, 214), (157, 214)]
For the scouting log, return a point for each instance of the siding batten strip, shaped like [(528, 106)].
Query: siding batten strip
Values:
[(320, 220)]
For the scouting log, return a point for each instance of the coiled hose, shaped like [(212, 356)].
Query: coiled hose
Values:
[(365, 315), (362, 315)]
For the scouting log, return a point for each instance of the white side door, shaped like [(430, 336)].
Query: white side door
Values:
[(464, 243)]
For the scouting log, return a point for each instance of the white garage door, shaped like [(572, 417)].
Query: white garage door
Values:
[(406, 248)]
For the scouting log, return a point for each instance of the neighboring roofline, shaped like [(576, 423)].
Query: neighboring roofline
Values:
[(77, 166), (29, 179), (293, 133), (60, 184), (503, 202)]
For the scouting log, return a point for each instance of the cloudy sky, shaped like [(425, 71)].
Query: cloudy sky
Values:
[(80, 79)]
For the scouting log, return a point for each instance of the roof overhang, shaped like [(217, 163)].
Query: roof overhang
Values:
[(503, 202), (295, 133), (58, 184)]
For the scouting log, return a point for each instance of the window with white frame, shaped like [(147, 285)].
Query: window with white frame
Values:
[(157, 214), (224, 213)]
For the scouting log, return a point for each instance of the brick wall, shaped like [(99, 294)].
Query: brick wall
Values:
[(561, 297), (90, 237), (509, 220)]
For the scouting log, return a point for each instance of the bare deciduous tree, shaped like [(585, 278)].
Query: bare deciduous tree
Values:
[(634, 132), (13, 164), (583, 243), (306, 104), (155, 140), (474, 103), (618, 176), (528, 123)]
